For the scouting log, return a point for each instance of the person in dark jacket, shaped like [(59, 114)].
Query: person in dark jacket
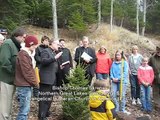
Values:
[(44, 44), (86, 57), (48, 70), (8, 54), (25, 76), (65, 63), (155, 63)]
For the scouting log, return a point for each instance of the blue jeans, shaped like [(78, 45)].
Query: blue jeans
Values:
[(146, 98), (101, 76), (24, 98), (120, 105), (135, 88)]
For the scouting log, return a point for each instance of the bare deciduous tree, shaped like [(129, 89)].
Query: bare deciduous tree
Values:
[(146, 5), (137, 18), (144, 17), (99, 12), (111, 20), (55, 28)]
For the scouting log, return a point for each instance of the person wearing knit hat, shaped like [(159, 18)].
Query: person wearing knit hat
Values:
[(25, 76), (30, 41), (1, 39)]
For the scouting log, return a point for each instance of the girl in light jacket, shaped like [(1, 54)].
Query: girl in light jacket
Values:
[(119, 81)]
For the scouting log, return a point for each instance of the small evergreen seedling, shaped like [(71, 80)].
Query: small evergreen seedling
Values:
[(75, 98)]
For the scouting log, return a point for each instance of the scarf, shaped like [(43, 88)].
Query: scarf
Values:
[(17, 44), (31, 54)]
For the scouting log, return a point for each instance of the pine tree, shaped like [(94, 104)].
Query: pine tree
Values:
[(75, 104), (13, 13), (76, 22)]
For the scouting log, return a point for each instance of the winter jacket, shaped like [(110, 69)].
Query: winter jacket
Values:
[(66, 56), (115, 71), (155, 63), (133, 66), (38, 51), (49, 67), (90, 67), (8, 54), (145, 74), (103, 63), (25, 73), (101, 107)]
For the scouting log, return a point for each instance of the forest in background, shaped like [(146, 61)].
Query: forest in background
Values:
[(78, 15)]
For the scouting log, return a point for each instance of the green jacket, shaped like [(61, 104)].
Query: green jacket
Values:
[(155, 63), (8, 54)]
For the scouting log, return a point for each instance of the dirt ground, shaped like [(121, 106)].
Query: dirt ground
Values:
[(57, 113)]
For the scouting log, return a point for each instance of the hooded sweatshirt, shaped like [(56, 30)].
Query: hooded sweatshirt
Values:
[(101, 108)]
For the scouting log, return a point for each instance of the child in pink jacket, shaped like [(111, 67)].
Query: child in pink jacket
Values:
[(145, 78)]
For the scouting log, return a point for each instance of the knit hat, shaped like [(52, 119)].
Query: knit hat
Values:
[(1, 37), (30, 40)]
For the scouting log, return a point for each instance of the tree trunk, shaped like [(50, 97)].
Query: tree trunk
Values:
[(55, 28), (144, 17), (111, 20), (137, 17), (99, 12), (122, 22)]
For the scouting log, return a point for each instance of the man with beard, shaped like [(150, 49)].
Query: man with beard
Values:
[(155, 63)]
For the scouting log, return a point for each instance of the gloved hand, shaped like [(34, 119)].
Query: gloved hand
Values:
[(35, 91)]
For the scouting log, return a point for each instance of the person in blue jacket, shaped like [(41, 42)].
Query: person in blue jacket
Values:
[(119, 81)]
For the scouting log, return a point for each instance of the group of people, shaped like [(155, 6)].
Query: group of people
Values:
[(54, 61), (141, 71)]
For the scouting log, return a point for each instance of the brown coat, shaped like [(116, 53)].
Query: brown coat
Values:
[(25, 74), (155, 63)]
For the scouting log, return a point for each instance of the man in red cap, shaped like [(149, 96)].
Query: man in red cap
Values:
[(25, 76)]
